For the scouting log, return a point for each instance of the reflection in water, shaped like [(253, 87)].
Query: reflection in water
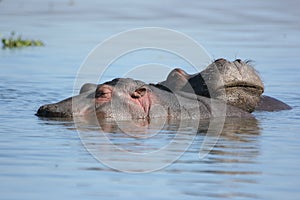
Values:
[(228, 169), (231, 162), (238, 136), (237, 142), (233, 156)]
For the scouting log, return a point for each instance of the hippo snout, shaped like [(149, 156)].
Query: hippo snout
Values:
[(51, 110)]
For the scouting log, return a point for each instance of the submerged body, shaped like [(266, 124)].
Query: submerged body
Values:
[(224, 89)]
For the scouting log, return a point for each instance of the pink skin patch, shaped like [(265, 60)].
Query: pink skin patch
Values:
[(144, 102), (103, 94)]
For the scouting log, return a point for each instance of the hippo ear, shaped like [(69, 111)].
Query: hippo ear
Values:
[(87, 87), (140, 92)]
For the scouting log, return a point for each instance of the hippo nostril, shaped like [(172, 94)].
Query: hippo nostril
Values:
[(238, 60)]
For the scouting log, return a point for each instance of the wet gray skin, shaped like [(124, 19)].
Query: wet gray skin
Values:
[(236, 83), (88, 87), (123, 99)]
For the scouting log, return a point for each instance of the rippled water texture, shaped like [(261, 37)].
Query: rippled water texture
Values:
[(45, 159)]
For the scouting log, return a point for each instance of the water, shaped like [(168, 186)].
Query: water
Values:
[(45, 159)]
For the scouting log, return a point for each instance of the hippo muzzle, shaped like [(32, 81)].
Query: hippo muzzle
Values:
[(80, 105)]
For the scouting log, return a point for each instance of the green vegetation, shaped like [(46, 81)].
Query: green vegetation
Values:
[(17, 42)]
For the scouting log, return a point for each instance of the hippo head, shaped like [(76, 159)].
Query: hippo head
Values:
[(237, 83), (119, 99), (243, 86)]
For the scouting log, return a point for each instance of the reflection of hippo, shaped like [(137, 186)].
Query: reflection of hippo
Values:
[(131, 99), (242, 87)]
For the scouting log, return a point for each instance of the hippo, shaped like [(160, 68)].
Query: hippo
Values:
[(181, 96), (126, 98), (240, 81)]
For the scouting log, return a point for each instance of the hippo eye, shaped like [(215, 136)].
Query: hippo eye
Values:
[(103, 93), (99, 94)]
